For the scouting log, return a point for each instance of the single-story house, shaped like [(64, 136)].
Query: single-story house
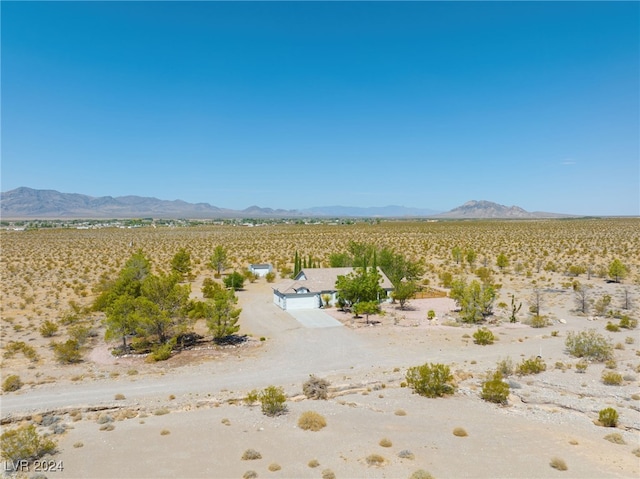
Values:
[(260, 269), (306, 290)]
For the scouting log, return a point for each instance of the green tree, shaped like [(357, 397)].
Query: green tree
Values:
[(339, 260), (404, 291), (502, 262), (397, 268), (471, 257), (219, 259), (128, 282), (360, 285), (162, 308), (367, 308), (210, 288), (475, 300), (121, 320), (456, 253), (221, 315), (181, 263), (617, 270), (234, 281)]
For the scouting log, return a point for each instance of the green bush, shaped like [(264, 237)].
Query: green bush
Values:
[(24, 444), (161, 352), (483, 337), (608, 417), (627, 323), (252, 397), (14, 347), (581, 366), (270, 277), (539, 321), (614, 328), (495, 389), (611, 378), (273, 401), (531, 366), (11, 383), (589, 344), (431, 380), (67, 352), (48, 329), (505, 366)]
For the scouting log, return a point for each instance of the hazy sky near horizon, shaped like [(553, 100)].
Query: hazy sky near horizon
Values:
[(295, 104)]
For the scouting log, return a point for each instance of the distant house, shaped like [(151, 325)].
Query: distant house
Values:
[(260, 269), (306, 290)]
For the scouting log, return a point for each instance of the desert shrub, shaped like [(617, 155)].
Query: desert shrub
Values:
[(531, 366), (270, 277), (67, 352), (252, 397), (608, 417), (628, 323), (48, 329), (161, 352), (610, 364), (400, 412), (316, 388), (119, 397), (589, 344), (558, 464), (460, 432), (328, 474), (273, 467), (165, 432), (483, 336), (374, 460), (273, 401), (24, 444), (421, 474), (313, 463), (505, 366), (495, 389), (614, 328), (14, 347), (538, 321), (80, 333), (636, 452), (431, 380), (250, 475), (616, 438), (161, 411), (311, 421), (581, 366), (251, 455), (11, 383), (406, 454), (611, 378), (385, 442)]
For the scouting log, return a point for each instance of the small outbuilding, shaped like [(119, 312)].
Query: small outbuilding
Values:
[(261, 269), (307, 289)]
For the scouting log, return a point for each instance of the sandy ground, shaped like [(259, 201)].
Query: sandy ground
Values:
[(549, 415)]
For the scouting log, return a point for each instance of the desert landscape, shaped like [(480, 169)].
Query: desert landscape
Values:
[(199, 414)]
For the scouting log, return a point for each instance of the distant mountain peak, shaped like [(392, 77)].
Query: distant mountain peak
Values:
[(478, 209)]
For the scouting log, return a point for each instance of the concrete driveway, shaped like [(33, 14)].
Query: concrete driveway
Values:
[(314, 318)]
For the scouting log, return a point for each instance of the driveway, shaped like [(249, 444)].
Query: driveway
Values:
[(314, 318)]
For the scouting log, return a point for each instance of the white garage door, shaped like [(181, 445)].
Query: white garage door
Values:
[(302, 301)]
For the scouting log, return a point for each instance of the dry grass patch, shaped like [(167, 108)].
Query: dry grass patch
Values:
[(385, 442), (313, 463), (165, 432), (615, 438), (400, 412), (250, 475), (273, 467), (460, 432), (119, 397), (328, 474), (311, 421), (78, 444), (251, 455), (421, 474), (375, 460), (558, 464)]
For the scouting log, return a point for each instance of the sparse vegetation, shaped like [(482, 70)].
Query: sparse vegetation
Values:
[(251, 455), (431, 380), (558, 464), (311, 421), (495, 389), (24, 443), (616, 438), (11, 383), (273, 401), (483, 336), (608, 417), (374, 460), (611, 378), (385, 442), (460, 432), (316, 388), (531, 366), (589, 344)]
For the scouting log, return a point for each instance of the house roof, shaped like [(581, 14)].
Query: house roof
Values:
[(260, 265), (320, 280)]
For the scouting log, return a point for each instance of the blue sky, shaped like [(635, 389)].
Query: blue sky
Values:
[(293, 104)]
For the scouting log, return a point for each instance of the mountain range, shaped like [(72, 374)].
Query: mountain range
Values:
[(25, 203)]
